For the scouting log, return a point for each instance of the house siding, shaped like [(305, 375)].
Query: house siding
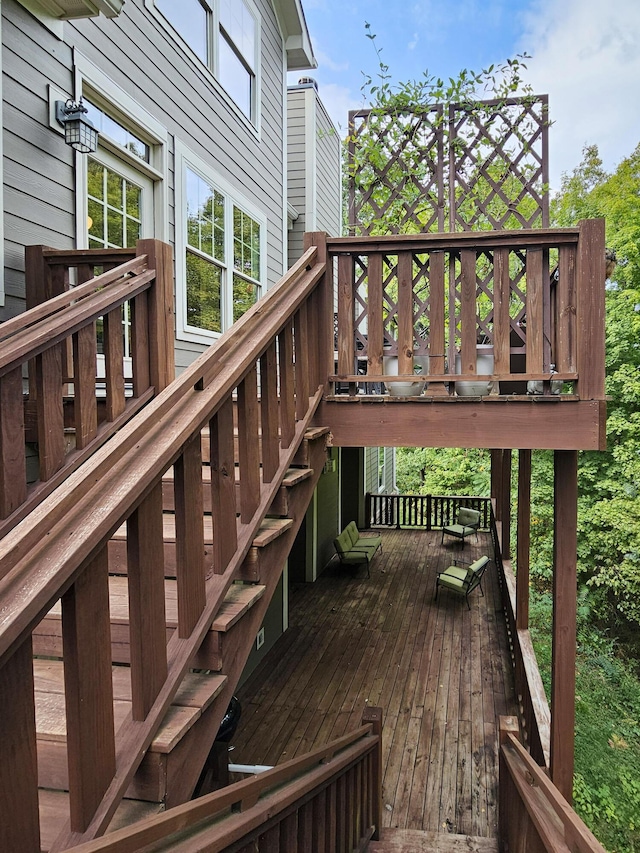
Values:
[(313, 167), (138, 55)]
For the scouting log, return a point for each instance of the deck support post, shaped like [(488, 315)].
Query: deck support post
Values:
[(563, 687), (523, 539)]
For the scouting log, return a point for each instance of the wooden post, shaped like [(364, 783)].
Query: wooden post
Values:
[(160, 304), (505, 495), (590, 300), (346, 326), (323, 320), (496, 481), (13, 475), (374, 716), (563, 675), (524, 536)]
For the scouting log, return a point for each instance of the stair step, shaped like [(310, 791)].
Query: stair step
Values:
[(280, 502), (54, 813), (302, 457), (47, 636), (269, 530), (421, 841), (196, 694)]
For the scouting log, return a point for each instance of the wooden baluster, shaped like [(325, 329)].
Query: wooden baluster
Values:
[(321, 838), (306, 829), (287, 400), (405, 313), (19, 827), (189, 536), (248, 445), (468, 313), (86, 635), (37, 275), (436, 321), (13, 473), (223, 486), (375, 332), (331, 819), (373, 715), (50, 411), (113, 363), (289, 832), (160, 302), (301, 340), (140, 343), (535, 312), (147, 622), (566, 310), (346, 329), (501, 318), (84, 401), (269, 413)]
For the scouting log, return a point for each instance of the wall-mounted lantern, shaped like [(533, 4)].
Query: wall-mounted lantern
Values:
[(79, 132)]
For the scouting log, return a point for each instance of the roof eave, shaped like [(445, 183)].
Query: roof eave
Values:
[(297, 42)]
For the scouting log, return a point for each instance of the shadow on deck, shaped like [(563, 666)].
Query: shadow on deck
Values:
[(440, 672)]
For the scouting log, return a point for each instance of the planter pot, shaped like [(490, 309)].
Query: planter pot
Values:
[(399, 389), (484, 357)]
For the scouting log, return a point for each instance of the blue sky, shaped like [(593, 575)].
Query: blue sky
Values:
[(585, 54)]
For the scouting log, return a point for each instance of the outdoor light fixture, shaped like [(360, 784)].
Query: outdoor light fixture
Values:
[(79, 132)]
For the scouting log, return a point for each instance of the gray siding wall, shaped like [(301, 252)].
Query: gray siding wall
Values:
[(145, 61), (313, 167)]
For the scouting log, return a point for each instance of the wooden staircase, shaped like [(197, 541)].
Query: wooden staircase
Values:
[(186, 730)]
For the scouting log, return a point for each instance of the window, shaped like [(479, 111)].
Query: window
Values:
[(222, 241), (223, 34)]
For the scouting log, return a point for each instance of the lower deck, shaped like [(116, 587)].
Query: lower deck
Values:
[(440, 672)]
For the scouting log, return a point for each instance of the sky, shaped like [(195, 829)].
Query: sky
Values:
[(585, 54)]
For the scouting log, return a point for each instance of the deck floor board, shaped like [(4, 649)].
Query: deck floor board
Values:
[(439, 671)]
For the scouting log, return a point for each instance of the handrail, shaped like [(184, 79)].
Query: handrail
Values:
[(534, 708), (68, 413), (531, 806), (61, 548), (237, 810)]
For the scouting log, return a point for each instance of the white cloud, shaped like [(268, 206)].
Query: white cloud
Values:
[(586, 55), (325, 61), (413, 43)]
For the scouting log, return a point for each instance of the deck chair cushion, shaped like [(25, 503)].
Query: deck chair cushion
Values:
[(468, 517)]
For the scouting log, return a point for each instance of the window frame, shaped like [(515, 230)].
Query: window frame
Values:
[(211, 67), (186, 159)]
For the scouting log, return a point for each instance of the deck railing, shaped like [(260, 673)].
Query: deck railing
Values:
[(535, 716), (535, 298), (59, 552), (68, 411), (427, 512), (534, 816), (327, 800)]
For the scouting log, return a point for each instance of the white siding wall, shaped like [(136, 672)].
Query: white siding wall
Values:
[(148, 64)]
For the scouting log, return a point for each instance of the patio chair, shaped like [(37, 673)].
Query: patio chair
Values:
[(463, 579), (467, 522)]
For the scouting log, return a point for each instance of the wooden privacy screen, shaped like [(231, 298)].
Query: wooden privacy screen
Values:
[(481, 166)]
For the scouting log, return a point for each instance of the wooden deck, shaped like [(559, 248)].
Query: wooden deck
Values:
[(440, 672)]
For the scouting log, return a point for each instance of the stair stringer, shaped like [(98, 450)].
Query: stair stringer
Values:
[(136, 736), (193, 751)]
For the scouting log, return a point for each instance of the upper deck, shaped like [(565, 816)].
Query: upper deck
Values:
[(438, 304)]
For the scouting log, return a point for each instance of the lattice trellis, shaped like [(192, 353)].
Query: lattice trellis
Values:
[(492, 155), (396, 167), (498, 165)]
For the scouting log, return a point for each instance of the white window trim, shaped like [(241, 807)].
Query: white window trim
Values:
[(185, 158), (107, 95), (253, 124)]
